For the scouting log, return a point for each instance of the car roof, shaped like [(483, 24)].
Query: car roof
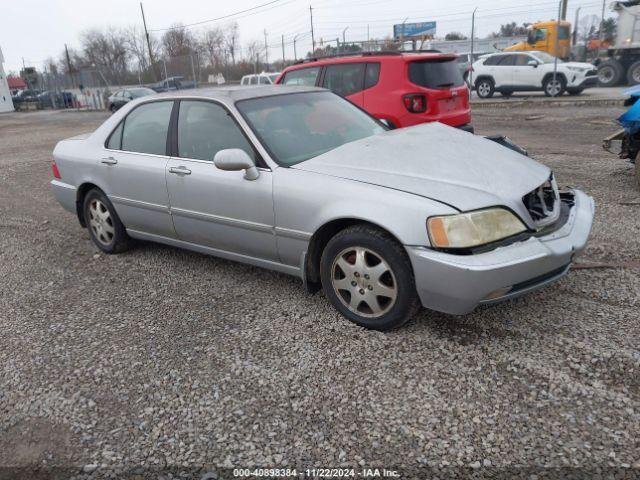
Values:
[(237, 92), (371, 56)]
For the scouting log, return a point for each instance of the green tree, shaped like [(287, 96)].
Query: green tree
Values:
[(455, 36)]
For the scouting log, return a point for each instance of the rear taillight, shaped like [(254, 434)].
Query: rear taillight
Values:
[(54, 169), (415, 102)]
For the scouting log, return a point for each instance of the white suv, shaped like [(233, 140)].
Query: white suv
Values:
[(510, 72), (263, 78)]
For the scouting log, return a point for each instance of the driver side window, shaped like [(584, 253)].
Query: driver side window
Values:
[(205, 128)]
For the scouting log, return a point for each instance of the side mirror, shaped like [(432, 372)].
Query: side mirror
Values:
[(234, 159), (532, 63)]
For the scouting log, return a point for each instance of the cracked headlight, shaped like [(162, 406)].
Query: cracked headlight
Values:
[(471, 229)]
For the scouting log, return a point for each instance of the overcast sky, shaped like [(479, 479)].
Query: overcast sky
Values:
[(37, 29)]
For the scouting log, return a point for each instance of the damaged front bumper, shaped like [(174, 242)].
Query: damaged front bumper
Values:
[(456, 284)]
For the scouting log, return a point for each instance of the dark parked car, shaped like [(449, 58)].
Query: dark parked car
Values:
[(172, 83), (51, 99), (24, 96), (121, 97)]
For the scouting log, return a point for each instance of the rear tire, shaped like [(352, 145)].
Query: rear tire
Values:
[(485, 88), (554, 88), (368, 278), (633, 74), (104, 225), (610, 73)]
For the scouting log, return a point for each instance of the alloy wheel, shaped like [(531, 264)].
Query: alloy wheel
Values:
[(484, 89), (554, 87), (101, 223), (364, 282)]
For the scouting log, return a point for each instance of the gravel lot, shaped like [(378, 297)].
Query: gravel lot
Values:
[(129, 364)]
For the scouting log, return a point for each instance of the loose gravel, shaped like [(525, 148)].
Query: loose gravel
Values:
[(165, 363)]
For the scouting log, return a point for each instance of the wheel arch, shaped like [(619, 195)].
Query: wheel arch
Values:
[(483, 76), (550, 75), (81, 193), (319, 241)]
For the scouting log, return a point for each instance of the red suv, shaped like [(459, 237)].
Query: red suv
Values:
[(401, 88)]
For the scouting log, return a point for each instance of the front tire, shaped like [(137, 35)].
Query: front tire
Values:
[(368, 278), (554, 88), (104, 225), (485, 88)]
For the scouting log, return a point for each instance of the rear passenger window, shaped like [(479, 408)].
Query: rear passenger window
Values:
[(507, 60), (204, 128), (344, 79), (115, 140), (492, 60), (304, 76), (146, 127), (371, 75), (254, 80)]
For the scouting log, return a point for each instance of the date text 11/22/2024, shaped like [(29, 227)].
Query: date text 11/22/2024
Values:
[(316, 473)]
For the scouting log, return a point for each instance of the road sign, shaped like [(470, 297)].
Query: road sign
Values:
[(414, 29)]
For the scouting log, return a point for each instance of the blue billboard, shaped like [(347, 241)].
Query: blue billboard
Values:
[(414, 29)]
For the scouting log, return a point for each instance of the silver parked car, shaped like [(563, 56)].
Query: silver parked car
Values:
[(300, 181)]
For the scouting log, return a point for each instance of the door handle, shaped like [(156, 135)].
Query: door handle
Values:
[(109, 161), (180, 170)]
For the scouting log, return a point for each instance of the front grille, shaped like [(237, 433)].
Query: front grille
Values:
[(542, 203), (591, 73)]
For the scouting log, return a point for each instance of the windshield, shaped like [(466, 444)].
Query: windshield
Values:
[(300, 126), (273, 77), (141, 92), (544, 57)]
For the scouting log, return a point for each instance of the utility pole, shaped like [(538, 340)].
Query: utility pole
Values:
[(575, 27), (313, 38), (473, 33), (555, 59), (601, 33), (368, 38), (295, 54), (146, 34), (69, 68), (266, 49), (282, 51)]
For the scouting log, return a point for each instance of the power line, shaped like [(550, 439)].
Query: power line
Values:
[(218, 18)]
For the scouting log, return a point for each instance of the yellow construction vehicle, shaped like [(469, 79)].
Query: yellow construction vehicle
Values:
[(552, 37)]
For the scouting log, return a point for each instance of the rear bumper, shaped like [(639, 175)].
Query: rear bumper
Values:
[(456, 284), (65, 194)]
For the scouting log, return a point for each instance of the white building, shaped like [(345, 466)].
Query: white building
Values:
[(6, 105)]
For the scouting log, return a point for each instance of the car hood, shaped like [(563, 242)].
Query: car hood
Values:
[(437, 162)]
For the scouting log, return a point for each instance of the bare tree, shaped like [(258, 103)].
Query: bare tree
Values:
[(254, 51), (106, 50), (213, 44), (587, 26), (231, 40), (178, 41)]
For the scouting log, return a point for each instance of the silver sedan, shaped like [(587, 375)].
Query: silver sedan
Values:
[(300, 181)]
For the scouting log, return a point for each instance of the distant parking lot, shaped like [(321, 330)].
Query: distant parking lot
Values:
[(596, 93), (166, 358)]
